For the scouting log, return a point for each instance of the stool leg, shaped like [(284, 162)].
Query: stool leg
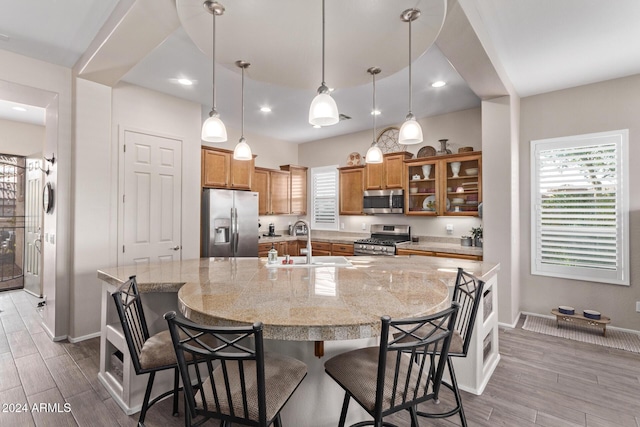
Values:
[(456, 392), (145, 402), (176, 386), (345, 407)]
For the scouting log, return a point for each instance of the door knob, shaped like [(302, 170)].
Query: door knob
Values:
[(175, 248)]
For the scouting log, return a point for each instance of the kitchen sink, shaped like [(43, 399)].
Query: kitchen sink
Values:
[(316, 261)]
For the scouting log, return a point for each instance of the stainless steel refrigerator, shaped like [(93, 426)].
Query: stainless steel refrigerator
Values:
[(229, 223)]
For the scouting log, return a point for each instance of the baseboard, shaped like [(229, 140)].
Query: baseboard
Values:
[(84, 337), (550, 316), (513, 325), (53, 337)]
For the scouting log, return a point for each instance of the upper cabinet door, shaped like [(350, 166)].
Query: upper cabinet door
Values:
[(279, 192), (216, 168), (351, 190), (394, 169), (261, 184), (374, 176), (241, 174), (297, 189)]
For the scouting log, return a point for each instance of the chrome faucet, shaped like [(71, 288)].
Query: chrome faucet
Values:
[(304, 251)]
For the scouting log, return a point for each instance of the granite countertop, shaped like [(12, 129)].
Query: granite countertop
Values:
[(304, 303)]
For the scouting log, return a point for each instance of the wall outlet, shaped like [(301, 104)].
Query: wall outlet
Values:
[(449, 228), (638, 306), (364, 225), (342, 226)]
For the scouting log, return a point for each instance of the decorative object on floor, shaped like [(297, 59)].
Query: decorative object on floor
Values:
[(615, 339), (592, 314), (426, 151), (388, 140), (443, 148), (600, 322), (354, 159)]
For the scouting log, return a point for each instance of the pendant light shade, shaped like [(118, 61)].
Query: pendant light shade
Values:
[(410, 132), (242, 150), (323, 110), (213, 129), (374, 154)]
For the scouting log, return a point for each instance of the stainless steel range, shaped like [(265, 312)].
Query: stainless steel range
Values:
[(383, 240)]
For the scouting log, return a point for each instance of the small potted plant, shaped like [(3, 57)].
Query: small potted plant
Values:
[(476, 232)]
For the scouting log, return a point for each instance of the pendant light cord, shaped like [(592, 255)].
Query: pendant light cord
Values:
[(213, 60), (242, 111), (374, 107), (323, 83), (410, 83)]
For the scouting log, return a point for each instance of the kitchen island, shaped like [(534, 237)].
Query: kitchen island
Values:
[(300, 307)]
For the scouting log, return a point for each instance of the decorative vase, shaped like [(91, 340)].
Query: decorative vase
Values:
[(426, 171), (443, 148), (477, 242), (455, 168)]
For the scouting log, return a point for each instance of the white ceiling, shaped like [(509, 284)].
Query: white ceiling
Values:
[(542, 45)]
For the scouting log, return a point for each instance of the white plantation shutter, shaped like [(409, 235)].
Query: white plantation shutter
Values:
[(324, 201), (579, 197)]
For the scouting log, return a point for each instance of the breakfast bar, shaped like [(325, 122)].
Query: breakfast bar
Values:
[(308, 311)]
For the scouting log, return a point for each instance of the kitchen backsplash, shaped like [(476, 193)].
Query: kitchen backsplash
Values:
[(353, 224)]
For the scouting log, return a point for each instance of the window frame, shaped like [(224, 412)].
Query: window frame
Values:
[(619, 275), (313, 223)]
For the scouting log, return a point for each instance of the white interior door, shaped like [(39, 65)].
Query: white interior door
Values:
[(152, 198), (33, 226)]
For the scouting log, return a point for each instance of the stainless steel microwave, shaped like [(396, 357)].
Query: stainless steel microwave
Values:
[(384, 201)]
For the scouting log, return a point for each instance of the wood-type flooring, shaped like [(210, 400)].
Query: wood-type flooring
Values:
[(540, 381)]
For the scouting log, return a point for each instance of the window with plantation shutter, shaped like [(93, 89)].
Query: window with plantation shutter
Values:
[(580, 214), (324, 202)]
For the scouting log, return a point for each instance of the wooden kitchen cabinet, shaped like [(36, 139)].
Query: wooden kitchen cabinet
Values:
[(260, 184), (341, 249), (401, 251), (351, 190), (279, 192), (453, 186), (272, 187), (220, 170), (292, 247), (319, 248), (281, 247), (297, 188), (389, 173)]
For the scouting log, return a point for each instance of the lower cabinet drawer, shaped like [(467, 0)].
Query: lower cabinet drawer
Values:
[(341, 249)]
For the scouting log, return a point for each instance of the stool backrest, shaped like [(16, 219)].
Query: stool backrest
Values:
[(131, 314), (222, 395), (467, 293), (411, 365)]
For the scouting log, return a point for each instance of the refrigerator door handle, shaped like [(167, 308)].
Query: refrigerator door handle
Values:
[(236, 236)]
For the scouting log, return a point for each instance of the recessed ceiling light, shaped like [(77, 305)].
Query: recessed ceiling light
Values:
[(19, 108), (265, 109), (439, 83), (376, 112), (185, 82)]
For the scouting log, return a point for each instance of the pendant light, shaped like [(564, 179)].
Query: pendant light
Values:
[(323, 110), (374, 154), (242, 150), (410, 132), (213, 130)]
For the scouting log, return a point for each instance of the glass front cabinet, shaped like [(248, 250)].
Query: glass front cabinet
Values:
[(444, 185)]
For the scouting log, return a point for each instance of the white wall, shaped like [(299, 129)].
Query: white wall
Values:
[(92, 183), (597, 107), (21, 139), (461, 128)]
